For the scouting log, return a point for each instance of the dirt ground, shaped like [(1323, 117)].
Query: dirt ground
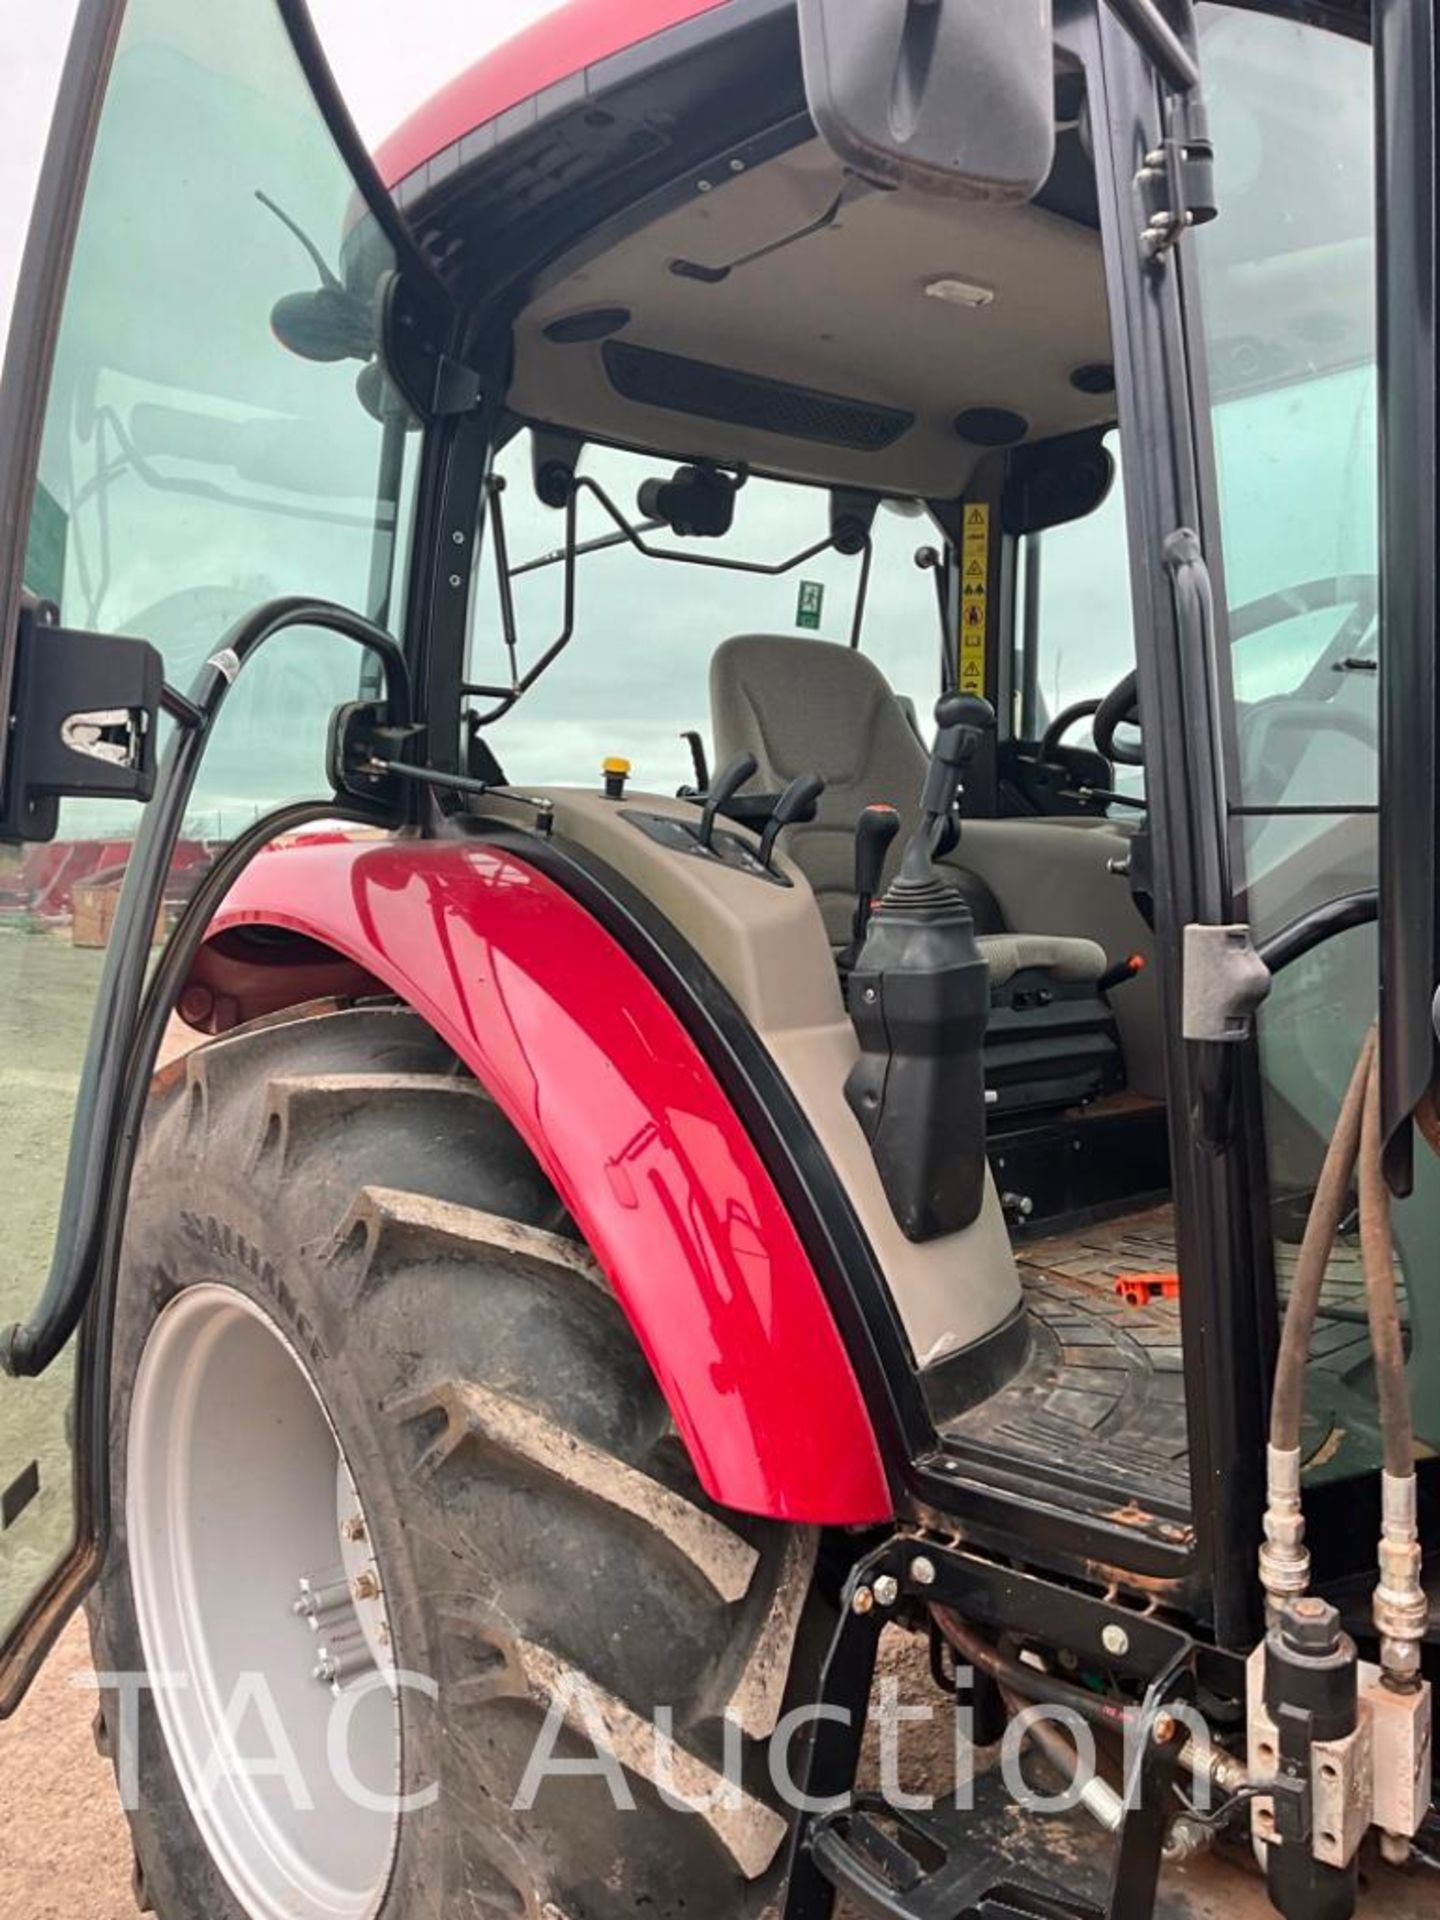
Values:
[(64, 1850)]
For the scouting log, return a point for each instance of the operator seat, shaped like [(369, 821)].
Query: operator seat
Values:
[(812, 706)]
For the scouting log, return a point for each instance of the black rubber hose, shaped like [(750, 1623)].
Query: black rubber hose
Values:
[(1326, 1210)]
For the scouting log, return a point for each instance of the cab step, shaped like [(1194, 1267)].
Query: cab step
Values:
[(930, 1865)]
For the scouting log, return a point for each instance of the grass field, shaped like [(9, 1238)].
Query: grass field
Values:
[(47, 992)]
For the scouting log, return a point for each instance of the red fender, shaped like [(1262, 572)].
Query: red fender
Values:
[(598, 1076)]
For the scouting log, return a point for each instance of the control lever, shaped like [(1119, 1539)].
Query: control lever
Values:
[(962, 721), (728, 783), (874, 834), (698, 760), (795, 807)]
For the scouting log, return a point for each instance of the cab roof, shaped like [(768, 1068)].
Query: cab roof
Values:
[(563, 43)]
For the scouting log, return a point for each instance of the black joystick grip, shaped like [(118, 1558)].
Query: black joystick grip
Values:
[(875, 833), (962, 721), (794, 808), (728, 783)]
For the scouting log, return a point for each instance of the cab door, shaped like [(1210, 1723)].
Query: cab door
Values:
[(198, 419)]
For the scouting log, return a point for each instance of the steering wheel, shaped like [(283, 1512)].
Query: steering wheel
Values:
[(1067, 718), (1119, 708), (1358, 591), (1273, 731), (1262, 723)]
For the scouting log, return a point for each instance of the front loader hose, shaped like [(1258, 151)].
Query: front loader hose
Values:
[(1402, 1607), (1326, 1212), (1377, 1254), (1284, 1557), (1353, 1157)]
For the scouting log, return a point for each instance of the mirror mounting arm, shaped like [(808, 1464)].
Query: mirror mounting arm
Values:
[(1152, 32)]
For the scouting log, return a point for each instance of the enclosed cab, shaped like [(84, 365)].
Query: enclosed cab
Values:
[(759, 718)]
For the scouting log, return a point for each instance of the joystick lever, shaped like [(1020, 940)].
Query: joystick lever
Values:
[(875, 832), (728, 783), (795, 807), (962, 721)]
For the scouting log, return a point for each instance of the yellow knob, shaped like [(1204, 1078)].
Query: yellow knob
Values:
[(616, 766)]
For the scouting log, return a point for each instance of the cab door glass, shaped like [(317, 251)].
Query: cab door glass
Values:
[(1288, 283), (208, 445), (1288, 287)]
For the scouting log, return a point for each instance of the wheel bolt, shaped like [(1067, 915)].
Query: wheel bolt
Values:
[(864, 1600), (887, 1590), (922, 1571)]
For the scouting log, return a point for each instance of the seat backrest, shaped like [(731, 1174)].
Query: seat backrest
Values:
[(811, 706)]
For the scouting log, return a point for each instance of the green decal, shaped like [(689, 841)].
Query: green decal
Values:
[(45, 548), (812, 602)]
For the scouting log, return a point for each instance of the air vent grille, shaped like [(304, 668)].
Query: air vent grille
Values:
[(707, 392)]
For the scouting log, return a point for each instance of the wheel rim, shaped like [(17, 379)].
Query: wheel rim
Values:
[(257, 1591)]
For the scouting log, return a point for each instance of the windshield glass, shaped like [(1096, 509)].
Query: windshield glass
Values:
[(635, 676), (1081, 634)]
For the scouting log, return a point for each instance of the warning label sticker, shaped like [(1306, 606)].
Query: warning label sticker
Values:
[(974, 598)]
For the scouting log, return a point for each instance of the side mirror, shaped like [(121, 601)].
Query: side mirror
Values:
[(955, 97)]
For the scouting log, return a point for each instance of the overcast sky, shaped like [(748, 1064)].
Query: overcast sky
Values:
[(390, 55)]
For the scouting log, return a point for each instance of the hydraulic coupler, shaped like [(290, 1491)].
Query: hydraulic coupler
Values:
[(1308, 1748)]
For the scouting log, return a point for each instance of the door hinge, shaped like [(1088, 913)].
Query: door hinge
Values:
[(1224, 981), (82, 725), (1176, 181)]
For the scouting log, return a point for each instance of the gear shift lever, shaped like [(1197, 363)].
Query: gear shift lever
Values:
[(728, 783)]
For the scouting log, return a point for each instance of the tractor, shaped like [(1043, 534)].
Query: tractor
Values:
[(790, 650)]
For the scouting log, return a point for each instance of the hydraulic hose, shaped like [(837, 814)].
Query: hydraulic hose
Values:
[(1028, 1682), (1377, 1253), (1326, 1211), (1097, 1796), (1284, 1557), (1401, 1606)]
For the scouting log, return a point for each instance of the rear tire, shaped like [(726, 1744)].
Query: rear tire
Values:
[(538, 1531)]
